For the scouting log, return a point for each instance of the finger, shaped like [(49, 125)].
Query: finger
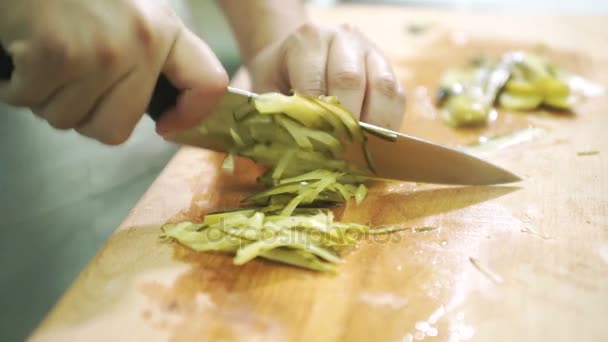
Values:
[(346, 71), (306, 60), (34, 78), (384, 103), (117, 111), (72, 104), (192, 67)]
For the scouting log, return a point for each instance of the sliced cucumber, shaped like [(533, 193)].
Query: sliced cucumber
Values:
[(519, 102)]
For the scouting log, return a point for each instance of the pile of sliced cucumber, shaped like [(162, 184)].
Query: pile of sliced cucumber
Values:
[(517, 81), (302, 141)]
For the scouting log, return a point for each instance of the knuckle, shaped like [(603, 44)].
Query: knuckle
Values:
[(309, 29), (313, 90), (59, 53), (348, 27), (347, 79), (108, 54), (310, 34), (144, 31), (314, 85), (386, 85)]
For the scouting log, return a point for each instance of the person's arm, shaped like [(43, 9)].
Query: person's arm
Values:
[(258, 24), (284, 51)]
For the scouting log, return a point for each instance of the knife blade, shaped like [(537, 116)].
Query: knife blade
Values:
[(411, 159), (402, 157)]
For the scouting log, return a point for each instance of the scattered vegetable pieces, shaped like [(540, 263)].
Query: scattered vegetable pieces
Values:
[(485, 145), (488, 273), (301, 140), (310, 239), (517, 81), (587, 153)]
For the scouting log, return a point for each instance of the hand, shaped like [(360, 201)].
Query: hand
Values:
[(336, 61), (92, 65)]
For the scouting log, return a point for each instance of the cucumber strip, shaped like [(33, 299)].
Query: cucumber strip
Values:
[(294, 106), (244, 233), (264, 133), (320, 222), (327, 140), (175, 228), (293, 239), (386, 230), (343, 191), (210, 239), (360, 194), (295, 131), (280, 189), (519, 102), (338, 127), (228, 164), (521, 87), (291, 206), (272, 208), (298, 258), (282, 199), (282, 164), (312, 175), (319, 187), (368, 157), (560, 102), (238, 141), (345, 116), (243, 112), (215, 218)]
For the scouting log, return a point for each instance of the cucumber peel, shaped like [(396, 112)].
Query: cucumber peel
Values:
[(300, 139), (467, 95)]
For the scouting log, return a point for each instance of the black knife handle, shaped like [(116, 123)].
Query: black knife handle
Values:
[(163, 98), (6, 65)]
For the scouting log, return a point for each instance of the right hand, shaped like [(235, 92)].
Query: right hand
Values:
[(92, 65)]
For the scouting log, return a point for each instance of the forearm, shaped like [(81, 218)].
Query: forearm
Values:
[(259, 23)]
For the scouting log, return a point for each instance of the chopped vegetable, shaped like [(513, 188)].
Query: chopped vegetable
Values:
[(310, 240), (485, 145), (300, 140), (587, 153), (517, 81)]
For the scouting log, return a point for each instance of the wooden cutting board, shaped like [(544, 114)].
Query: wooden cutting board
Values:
[(506, 263)]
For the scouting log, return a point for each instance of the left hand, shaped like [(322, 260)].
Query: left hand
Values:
[(337, 61)]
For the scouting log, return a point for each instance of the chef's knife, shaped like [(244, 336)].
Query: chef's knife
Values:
[(402, 157)]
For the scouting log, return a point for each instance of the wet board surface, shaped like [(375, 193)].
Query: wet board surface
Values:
[(527, 262)]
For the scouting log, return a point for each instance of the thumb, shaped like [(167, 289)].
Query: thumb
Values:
[(192, 68)]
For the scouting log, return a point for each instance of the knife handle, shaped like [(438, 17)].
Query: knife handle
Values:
[(6, 65), (163, 98)]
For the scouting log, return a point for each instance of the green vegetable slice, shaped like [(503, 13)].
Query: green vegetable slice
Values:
[(467, 95), (519, 102), (300, 140), (296, 107), (293, 239), (360, 194)]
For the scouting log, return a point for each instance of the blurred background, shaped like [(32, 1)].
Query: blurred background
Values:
[(61, 195)]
